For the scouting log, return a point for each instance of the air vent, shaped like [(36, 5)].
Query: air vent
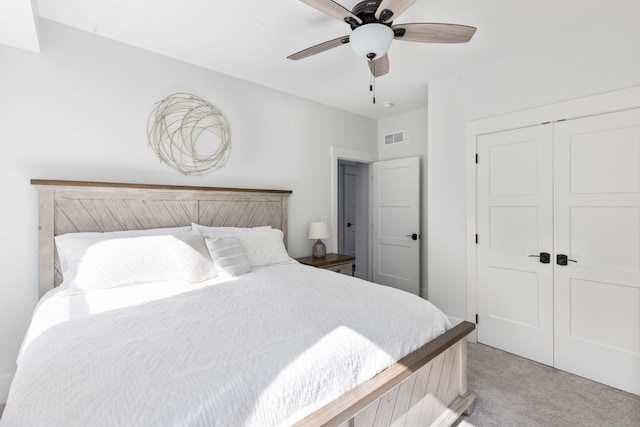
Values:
[(394, 138)]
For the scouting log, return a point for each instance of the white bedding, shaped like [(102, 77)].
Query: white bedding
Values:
[(265, 348)]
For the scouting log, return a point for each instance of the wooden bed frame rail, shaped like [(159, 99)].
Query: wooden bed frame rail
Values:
[(426, 388)]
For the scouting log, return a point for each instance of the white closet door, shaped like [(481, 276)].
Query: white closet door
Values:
[(514, 221), (597, 224)]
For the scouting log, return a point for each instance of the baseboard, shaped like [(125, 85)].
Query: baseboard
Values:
[(5, 382)]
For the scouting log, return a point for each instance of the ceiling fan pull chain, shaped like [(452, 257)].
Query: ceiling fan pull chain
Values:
[(372, 80)]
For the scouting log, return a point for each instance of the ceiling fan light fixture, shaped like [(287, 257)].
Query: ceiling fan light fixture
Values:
[(371, 40)]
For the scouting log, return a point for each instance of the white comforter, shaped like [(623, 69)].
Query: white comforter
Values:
[(266, 348)]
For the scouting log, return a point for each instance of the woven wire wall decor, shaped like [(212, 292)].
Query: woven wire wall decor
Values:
[(188, 134)]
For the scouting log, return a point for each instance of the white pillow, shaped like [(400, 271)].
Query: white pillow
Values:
[(215, 232), (100, 263), (228, 256), (67, 266), (264, 247)]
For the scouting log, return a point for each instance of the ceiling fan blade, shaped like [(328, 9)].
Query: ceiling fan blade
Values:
[(393, 9), (379, 67), (433, 33), (319, 48), (333, 9)]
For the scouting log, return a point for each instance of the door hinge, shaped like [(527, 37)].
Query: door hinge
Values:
[(476, 158), (476, 319), (476, 239)]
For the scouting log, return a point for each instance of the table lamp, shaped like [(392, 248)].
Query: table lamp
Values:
[(319, 230)]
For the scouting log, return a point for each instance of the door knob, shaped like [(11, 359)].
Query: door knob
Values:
[(413, 236), (562, 259), (349, 224), (545, 257)]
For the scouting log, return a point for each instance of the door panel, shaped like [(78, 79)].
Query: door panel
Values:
[(511, 294), (597, 224), (514, 166), (513, 229), (603, 237), (596, 305), (515, 290), (588, 155), (396, 215)]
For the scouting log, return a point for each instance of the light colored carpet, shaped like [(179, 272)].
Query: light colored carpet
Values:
[(512, 391)]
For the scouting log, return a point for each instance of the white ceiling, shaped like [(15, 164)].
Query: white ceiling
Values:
[(251, 39)]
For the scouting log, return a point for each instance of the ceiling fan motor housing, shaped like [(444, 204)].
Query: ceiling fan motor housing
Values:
[(366, 11)]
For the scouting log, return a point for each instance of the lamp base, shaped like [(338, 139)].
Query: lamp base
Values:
[(319, 249)]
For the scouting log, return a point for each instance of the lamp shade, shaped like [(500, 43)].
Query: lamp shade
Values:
[(371, 40), (318, 230)]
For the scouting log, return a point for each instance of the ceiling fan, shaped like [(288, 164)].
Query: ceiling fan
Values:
[(372, 28)]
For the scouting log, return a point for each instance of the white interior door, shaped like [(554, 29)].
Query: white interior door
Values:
[(597, 225), (396, 223), (514, 223)]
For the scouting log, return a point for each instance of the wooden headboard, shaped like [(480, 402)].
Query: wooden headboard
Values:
[(78, 206)]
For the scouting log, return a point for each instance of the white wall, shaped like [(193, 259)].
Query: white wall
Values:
[(78, 111), (585, 64), (414, 125)]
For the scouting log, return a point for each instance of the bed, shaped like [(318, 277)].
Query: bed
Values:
[(200, 352)]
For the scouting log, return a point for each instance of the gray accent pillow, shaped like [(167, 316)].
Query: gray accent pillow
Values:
[(228, 256)]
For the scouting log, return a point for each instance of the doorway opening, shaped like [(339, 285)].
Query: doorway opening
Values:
[(363, 190), (353, 214)]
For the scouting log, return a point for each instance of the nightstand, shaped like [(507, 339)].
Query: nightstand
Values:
[(335, 262)]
